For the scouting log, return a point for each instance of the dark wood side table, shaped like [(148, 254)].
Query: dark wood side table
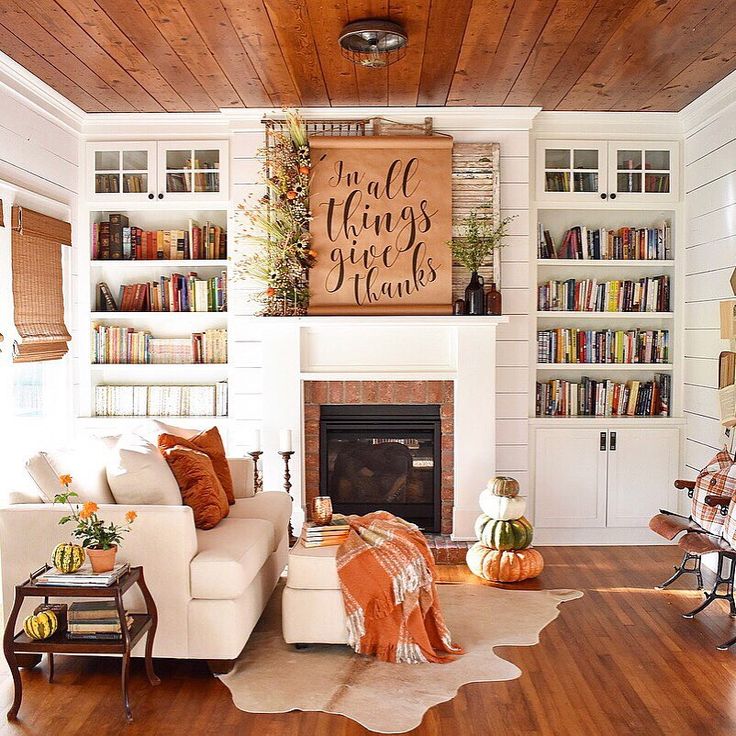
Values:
[(143, 623)]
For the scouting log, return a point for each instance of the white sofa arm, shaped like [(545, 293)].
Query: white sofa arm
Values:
[(162, 540)]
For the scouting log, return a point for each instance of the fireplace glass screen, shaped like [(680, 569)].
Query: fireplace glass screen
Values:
[(382, 457)]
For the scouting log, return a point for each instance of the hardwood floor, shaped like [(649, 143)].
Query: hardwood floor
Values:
[(621, 660)]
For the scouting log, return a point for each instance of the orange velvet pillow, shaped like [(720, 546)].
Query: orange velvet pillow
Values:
[(198, 483), (210, 443)]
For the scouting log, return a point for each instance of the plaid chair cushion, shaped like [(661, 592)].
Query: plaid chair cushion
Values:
[(717, 478)]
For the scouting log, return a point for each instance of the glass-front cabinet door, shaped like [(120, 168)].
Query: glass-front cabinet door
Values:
[(193, 169), (570, 170), (643, 170), (121, 171)]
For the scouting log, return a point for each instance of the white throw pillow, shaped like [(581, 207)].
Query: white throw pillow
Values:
[(152, 428), (138, 474), (85, 463)]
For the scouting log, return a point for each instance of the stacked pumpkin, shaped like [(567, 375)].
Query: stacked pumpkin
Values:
[(503, 553)]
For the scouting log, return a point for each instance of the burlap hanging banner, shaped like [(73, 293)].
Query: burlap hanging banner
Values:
[(382, 219)]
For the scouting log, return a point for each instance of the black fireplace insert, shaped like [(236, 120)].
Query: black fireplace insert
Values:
[(383, 457)]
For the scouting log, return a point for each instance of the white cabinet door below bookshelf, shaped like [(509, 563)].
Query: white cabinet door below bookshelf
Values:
[(642, 466), (570, 478), (193, 170), (572, 171)]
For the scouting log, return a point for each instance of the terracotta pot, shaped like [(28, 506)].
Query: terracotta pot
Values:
[(102, 560)]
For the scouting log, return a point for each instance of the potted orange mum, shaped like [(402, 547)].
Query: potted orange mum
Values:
[(100, 540)]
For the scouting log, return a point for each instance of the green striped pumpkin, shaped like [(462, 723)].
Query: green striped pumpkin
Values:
[(67, 557), (40, 625), (497, 534)]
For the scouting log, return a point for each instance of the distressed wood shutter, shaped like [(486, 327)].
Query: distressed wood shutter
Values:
[(38, 295)]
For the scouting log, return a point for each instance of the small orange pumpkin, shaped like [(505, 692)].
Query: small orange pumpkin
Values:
[(504, 566)]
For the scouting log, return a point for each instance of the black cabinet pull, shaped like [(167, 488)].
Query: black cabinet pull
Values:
[(150, 195), (603, 441), (160, 196), (613, 195), (613, 442), (603, 195)]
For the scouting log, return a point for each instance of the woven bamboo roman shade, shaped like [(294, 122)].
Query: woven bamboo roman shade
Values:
[(38, 294)]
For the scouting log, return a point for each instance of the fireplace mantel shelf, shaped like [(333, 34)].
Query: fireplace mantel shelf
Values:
[(383, 320)]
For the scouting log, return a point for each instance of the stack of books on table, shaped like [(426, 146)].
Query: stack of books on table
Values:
[(95, 620), (329, 535), (84, 577)]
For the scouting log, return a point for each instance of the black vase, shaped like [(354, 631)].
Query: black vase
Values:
[(475, 297)]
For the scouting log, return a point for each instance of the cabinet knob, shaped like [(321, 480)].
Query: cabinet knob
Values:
[(150, 195), (613, 195), (160, 196), (603, 195), (613, 442), (603, 442)]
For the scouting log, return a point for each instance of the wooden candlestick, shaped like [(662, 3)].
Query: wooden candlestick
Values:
[(287, 486), (257, 475)]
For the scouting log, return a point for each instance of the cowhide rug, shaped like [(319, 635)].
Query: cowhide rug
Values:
[(272, 677)]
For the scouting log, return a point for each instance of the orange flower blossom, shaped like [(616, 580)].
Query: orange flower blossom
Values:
[(89, 508), (65, 480), (130, 517)]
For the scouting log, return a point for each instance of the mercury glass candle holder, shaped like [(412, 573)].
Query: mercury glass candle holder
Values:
[(322, 510)]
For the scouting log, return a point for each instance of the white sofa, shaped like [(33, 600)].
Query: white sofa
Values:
[(210, 587)]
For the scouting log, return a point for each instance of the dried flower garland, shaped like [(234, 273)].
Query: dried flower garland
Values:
[(279, 224)]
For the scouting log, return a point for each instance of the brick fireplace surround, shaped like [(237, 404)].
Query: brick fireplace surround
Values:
[(319, 393)]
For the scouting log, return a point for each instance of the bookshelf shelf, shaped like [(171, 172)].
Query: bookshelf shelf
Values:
[(611, 264), (607, 367), (155, 315), (160, 263), (154, 366), (559, 314)]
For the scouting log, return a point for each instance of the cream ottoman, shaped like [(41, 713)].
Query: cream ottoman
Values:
[(312, 608)]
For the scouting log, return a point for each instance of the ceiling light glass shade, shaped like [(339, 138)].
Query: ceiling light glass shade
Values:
[(373, 43)]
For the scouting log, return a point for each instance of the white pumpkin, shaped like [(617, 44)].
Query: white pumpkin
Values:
[(502, 508)]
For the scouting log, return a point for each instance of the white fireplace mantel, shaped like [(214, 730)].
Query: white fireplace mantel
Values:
[(383, 348)]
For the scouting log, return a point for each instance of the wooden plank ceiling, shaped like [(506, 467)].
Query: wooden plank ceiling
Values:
[(201, 55)]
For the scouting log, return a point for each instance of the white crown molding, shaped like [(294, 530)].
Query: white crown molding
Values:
[(718, 100), (32, 91), (602, 124)]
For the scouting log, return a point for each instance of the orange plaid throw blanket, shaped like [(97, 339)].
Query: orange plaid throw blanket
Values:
[(387, 578)]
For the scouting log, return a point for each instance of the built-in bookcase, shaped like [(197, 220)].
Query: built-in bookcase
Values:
[(161, 324), (596, 330)]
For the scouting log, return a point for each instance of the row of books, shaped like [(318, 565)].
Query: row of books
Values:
[(96, 619), (126, 345), (161, 401), (601, 244), (559, 181), (604, 398), (650, 294), (117, 240), (328, 535), (570, 345), (82, 577), (174, 293), (204, 181)]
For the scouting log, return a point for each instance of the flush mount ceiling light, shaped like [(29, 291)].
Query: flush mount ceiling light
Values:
[(372, 43)]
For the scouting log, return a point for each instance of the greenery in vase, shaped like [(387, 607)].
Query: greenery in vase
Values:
[(278, 224), (479, 239), (92, 530)]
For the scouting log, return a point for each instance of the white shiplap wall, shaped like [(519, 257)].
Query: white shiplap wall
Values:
[(710, 257), (38, 169), (513, 349)]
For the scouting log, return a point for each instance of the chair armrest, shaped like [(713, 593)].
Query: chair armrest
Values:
[(683, 485), (723, 502)]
